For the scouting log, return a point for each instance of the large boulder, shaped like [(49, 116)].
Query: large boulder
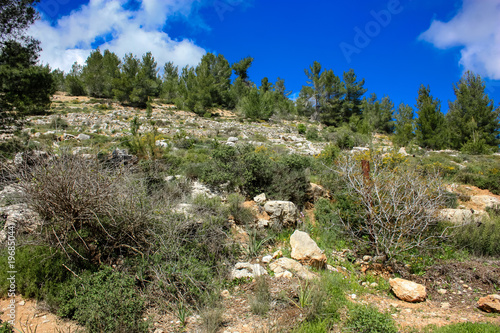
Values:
[(490, 303), (408, 291), (305, 250), (282, 213), (283, 267)]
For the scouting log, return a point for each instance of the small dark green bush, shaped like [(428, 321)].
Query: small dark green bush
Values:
[(105, 301), (368, 319), (42, 270), (301, 128), (482, 239), (6, 328), (312, 134), (450, 200)]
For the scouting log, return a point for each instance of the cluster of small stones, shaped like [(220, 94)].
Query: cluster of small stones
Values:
[(116, 123)]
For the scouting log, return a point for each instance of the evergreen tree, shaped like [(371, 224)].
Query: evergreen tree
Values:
[(146, 83), (124, 85), (265, 85), (25, 87), (430, 128), (111, 72), (312, 96), (404, 126), (93, 74), (333, 99), (58, 77), (73, 82), (242, 84), (170, 84), (472, 116), (354, 90), (377, 115)]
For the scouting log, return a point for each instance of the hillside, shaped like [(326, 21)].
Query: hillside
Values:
[(129, 220)]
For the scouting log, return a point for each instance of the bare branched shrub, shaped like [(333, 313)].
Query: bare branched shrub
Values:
[(86, 208), (393, 207)]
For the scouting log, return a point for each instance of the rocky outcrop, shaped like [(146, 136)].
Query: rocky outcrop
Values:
[(19, 217), (408, 291), (281, 213), (490, 303), (315, 191), (305, 250), (286, 267), (247, 270), (462, 216)]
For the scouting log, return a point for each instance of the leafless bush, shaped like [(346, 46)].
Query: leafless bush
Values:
[(395, 205), (86, 208)]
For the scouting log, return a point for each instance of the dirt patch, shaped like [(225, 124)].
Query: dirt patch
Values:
[(32, 316)]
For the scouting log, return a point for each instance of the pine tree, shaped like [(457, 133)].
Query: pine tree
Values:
[(170, 84), (111, 72), (124, 85), (378, 114), (472, 116), (354, 90), (404, 126), (430, 128), (73, 81), (93, 74)]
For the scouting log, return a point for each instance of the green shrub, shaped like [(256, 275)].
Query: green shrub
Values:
[(478, 147), (42, 270), (6, 328), (242, 215), (301, 128), (256, 171), (369, 319), (312, 134), (105, 301), (329, 228), (480, 239), (466, 328)]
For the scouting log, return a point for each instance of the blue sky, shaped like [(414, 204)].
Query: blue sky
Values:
[(396, 45)]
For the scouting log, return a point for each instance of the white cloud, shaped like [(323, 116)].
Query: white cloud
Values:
[(124, 31), (476, 29)]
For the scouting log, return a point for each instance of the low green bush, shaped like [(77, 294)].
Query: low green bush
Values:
[(480, 239), (368, 319), (43, 273), (256, 170), (301, 128), (105, 301), (465, 328)]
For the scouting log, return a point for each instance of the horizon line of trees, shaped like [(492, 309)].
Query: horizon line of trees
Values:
[(472, 120)]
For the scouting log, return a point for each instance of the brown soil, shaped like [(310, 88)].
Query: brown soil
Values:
[(34, 317)]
